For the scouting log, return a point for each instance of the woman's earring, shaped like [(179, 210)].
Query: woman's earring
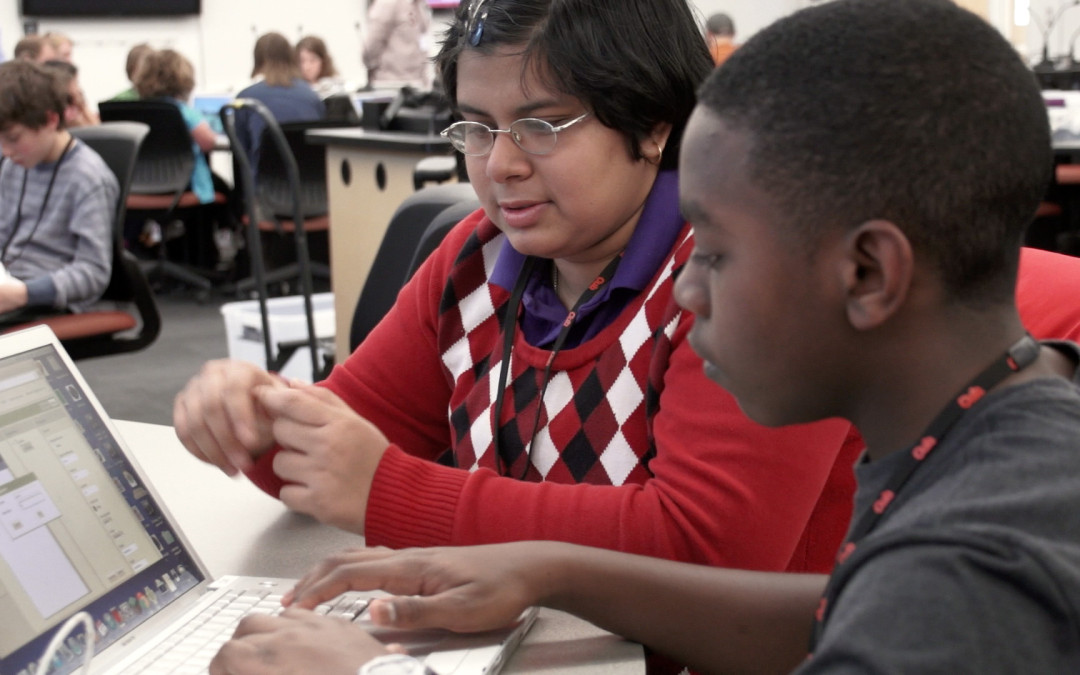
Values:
[(659, 154)]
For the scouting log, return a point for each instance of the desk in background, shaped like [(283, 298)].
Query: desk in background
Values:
[(237, 529), (368, 174)]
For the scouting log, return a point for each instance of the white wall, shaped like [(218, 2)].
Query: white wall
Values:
[(219, 42), (1064, 31)]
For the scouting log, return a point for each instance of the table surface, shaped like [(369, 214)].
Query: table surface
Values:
[(237, 529), (360, 137)]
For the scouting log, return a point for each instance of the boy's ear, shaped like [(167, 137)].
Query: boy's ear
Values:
[(878, 270), (52, 120)]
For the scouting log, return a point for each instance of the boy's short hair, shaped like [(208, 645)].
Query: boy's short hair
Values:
[(630, 83), (135, 58), (29, 47), (165, 73), (28, 93), (913, 111)]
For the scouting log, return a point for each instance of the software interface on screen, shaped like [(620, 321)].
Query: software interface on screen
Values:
[(77, 528)]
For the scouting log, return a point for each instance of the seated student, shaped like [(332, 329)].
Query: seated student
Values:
[(34, 48), (317, 66), (132, 64), (608, 433), (280, 88), (78, 112), (59, 199), (720, 36), (829, 278), (169, 74), (63, 45)]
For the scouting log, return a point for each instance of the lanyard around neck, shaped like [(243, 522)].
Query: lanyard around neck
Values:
[(508, 330), (41, 211), (1019, 356)]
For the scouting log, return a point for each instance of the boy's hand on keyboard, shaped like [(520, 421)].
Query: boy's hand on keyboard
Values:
[(296, 641), (465, 589)]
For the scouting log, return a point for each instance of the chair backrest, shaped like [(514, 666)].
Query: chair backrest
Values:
[(272, 180), (340, 109), (118, 145), (437, 230), (166, 158), (392, 262)]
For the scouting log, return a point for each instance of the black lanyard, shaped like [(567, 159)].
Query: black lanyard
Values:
[(510, 325), (1019, 356), (41, 212)]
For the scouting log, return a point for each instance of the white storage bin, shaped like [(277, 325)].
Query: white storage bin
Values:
[(243, 329)]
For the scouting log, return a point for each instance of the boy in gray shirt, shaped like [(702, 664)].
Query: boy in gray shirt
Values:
[(57, 203)]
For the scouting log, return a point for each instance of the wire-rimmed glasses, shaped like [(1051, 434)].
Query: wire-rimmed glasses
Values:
[(534, 136)]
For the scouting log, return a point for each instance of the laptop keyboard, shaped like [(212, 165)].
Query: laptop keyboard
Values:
[(191, 647)]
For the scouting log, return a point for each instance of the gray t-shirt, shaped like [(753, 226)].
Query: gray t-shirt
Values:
[(976, 566), (64, 253)]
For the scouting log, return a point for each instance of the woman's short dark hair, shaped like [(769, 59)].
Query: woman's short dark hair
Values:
[(918, 112), (633, 63)]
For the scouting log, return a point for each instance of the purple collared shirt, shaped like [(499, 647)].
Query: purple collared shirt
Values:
[(649, 246)]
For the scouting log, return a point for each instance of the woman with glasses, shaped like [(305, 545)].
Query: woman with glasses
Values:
[(534, 380)]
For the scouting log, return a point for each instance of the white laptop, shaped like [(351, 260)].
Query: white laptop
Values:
[(81, 529)]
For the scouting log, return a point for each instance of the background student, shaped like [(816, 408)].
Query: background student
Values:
[(828, 279), (59, 198), (317, 66), (168, 74), (396, 44), (720, 36), (77, 113), (622, 442), (132, 64), (280, 88)]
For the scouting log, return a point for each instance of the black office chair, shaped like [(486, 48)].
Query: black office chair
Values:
[(394, 261), (162, 175), (136, 321), (437, 230), (276, 142), (275, 209)]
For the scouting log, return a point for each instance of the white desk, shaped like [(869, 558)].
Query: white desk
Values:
[(238, 529)]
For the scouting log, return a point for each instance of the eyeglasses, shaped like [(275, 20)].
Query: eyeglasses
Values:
[(534, 136)]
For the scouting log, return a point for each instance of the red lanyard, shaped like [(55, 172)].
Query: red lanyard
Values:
[(1019, 356), (508, 328)]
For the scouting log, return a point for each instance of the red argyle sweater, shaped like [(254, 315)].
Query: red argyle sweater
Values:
[(636, 450)]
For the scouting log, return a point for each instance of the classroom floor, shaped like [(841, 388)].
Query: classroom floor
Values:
[(140, 386)]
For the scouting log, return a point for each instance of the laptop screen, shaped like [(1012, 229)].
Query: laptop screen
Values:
[(210, 106), (78, 530)]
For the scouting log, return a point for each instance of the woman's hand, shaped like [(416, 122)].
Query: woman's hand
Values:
[(329, 454), (218, 419)]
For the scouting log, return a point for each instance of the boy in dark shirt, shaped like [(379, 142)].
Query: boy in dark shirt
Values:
[(858, 197)]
